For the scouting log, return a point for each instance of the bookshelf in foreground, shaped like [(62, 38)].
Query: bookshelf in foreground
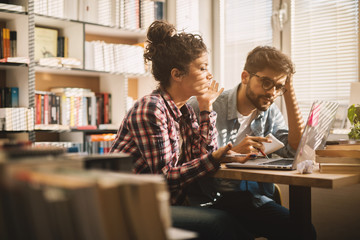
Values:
[(43, 191)]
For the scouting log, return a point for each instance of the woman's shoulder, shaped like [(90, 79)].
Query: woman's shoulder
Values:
[(150, 102)]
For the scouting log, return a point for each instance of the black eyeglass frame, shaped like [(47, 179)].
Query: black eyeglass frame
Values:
[(280, 90)]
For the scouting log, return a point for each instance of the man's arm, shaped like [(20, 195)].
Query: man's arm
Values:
[(295, 120)]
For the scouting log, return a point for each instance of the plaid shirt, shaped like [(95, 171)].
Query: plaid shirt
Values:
[(150, 133)]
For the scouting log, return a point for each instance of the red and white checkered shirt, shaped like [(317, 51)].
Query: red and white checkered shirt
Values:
[(150, 133)]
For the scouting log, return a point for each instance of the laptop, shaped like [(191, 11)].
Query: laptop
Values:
[(319, 122)]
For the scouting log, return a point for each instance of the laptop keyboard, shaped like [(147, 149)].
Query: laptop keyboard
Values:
[(283, 161)]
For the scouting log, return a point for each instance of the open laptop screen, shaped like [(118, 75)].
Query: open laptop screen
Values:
[(320, 120)]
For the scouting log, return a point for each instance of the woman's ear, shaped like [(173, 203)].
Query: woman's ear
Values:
[(176, 74), (245, 77)]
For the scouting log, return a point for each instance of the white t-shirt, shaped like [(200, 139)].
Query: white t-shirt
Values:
[(245, 122)]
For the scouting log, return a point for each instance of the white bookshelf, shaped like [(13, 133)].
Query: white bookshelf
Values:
[(115, 82)]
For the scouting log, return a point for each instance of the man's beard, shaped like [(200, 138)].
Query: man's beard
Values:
[(256, 100)]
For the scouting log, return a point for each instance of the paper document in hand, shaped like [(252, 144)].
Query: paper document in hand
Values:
[(273, 146)]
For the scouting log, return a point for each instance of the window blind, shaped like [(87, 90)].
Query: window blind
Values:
[(187, 15), (247, 25), (324, 48)]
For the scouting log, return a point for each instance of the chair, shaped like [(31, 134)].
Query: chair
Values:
[(277, 195)]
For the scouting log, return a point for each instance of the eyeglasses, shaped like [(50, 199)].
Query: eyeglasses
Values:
[(268, 83)]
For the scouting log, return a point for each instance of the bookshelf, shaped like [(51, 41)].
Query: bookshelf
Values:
[(80, 29)]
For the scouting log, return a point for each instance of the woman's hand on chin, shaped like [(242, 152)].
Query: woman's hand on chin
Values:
[(206, 99)]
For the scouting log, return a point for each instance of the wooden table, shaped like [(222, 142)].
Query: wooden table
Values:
[(299, 187)]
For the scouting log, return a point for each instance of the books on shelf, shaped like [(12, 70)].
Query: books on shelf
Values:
[(67, 9), (121, 58), (9, 97), (99, 143), (12, 7), (77, 108), (60, 62), (16, 119), (55, 192), (62, 47), (47, 106), (45, 42), (127, 14), (8, 44)]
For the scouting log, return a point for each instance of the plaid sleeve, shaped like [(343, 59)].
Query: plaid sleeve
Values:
[(208, 129)]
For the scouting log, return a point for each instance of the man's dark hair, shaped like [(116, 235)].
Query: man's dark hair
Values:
[(263, 57)]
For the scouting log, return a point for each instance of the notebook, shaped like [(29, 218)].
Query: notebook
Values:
[(319, 122)]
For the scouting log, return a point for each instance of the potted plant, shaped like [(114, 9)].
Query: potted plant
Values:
[(354, 118)]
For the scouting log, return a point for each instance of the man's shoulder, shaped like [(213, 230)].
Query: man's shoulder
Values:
[(221, 102)]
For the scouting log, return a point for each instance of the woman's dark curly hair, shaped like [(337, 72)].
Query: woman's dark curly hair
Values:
[(167, 49), (263, 57)]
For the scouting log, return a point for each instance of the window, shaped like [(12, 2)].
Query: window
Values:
[(247, 24), (187, 12), (324, 48)]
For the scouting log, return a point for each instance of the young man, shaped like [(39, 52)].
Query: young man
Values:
[(245, 115)]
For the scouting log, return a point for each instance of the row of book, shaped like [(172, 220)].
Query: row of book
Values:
[(12, 7), (74, 107), (99, 143), (8, 43), (121, 58), (342, 158), (59, 200), (16, 119), (9, 97), (129, 14), (69, 146)]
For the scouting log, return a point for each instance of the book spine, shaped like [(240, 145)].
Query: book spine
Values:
[(1, 43), (4, 54), (42, 108), (7, 42), (13, 43), (8, 97), (106, 107), (38, 108), (58, 109), (110, 109), (14, 97)]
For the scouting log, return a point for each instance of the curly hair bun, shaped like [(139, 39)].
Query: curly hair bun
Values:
[(160, 31)]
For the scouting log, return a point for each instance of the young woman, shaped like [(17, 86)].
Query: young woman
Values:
[(161, 131)]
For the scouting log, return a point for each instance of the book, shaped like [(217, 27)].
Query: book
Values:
[(347, 160), (5, 42), (343, 147), (13, 44), (338, 153), (45, 43), (115, 222), (349, 156), (12, 7), (339, 168), (8, 98)]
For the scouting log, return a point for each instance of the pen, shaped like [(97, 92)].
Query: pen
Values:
[(262, 152), (240, 155)]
